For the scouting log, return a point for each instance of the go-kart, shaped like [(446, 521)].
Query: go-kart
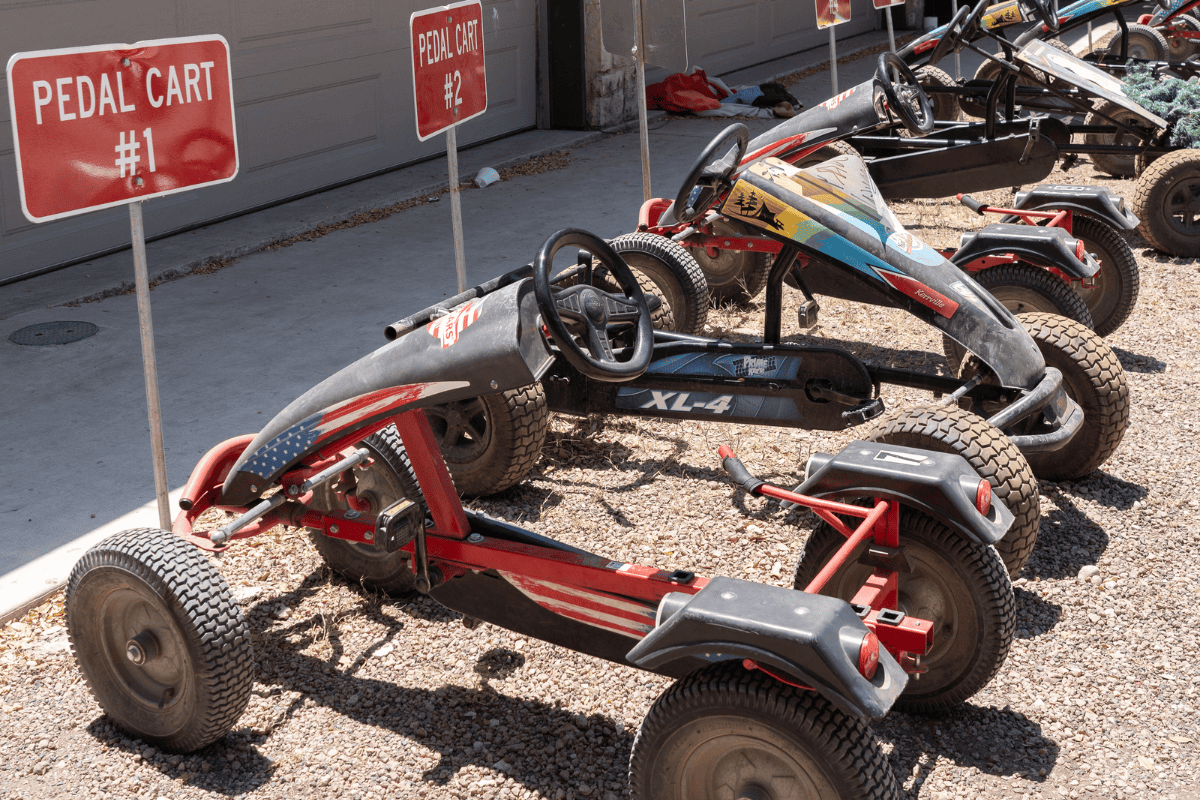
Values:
[(1120, 135), (1031, 267), (785, 679), (1056, 390)]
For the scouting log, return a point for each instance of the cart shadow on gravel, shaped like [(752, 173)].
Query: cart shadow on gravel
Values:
[(1136, 362), (995, 741), (435, 719)]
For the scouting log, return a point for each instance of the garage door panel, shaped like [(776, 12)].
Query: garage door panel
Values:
[(506, 15), (31, 26), (787, 19), (261, 20), (308, 121)]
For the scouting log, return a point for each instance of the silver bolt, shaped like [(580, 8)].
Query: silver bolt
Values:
[(495, 385), (369, 536), (125, 62), (333, 528), (253, 488), (293, 490), (475, 538), (138, 180), (135, 653)]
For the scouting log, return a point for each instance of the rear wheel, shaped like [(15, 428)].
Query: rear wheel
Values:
[(491, 442), (1178, 48), (945, 105), (1025, 287), (159, 639), (1144, 42), (958, 585), (1093, 377), (387, 478), (733, 276), (1167, 201), (1119, 165), (674, 276), (725, 732), (1115, 291), (949, 429)]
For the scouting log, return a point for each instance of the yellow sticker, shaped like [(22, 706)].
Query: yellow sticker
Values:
[(750, 204), (1002, 14)]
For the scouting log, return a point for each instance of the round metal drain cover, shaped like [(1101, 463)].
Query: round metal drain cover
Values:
[(53, 333)]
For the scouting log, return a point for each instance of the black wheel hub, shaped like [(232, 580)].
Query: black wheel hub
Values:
[(462, 428)]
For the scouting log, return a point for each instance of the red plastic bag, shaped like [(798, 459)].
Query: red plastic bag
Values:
[(684, 93)]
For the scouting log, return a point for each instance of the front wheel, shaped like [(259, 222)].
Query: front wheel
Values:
[(945, 104), (958, 585), (725, 732), (1119, 165), (1167, 201), (159, 639), (949, 429), (1093, 377), (672, 273)]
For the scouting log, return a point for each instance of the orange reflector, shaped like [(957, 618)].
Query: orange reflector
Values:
[(1080, 250), (868, 656), (983, 497)]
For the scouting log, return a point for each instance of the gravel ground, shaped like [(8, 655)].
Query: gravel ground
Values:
[(364, 697)]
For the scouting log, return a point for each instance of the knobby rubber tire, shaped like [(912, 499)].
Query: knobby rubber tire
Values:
[(674, 276), (1024, 287), (161, 578), (1144, 42), (1093, 378), (511, 428), (1119, 165), (732, 276), (1164, 190), (390, 573), (959, 585), (945, 106), (1119, 281), (949, 429), (706, 704)]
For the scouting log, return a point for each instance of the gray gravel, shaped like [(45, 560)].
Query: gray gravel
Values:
[(365, 697)]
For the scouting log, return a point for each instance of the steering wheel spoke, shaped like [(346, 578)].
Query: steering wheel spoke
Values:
[(579, 317), (704, 183), (905, 97)]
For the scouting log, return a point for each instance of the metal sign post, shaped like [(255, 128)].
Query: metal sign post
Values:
[(639, 55), (957, 57), (886, 7), (164, 108), (141, 282), (449, 88), (830, 14)]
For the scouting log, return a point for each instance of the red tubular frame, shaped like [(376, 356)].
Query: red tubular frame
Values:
[(450, 551)]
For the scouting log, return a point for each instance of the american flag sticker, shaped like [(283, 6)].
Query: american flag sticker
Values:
[(451, 326), (599, 609)]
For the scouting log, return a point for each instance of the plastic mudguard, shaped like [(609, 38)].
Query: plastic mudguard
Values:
[(808, 638), (1048, 247), (1095, 201), (942, 485)]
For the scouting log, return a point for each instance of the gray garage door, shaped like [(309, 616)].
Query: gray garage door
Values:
[(323, 92), (727, 35)]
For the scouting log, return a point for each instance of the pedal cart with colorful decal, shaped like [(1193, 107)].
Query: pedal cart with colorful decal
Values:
[(785, 679), (1034, 266), (1055, 388)]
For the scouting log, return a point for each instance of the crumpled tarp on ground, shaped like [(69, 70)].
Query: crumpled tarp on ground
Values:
[(696, 93)]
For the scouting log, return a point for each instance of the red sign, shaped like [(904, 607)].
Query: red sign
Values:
[(832, 12), (111, 124), (448, 75)]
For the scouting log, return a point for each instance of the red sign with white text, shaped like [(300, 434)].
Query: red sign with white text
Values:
[(112, 124), (882, 4), (449, 83)]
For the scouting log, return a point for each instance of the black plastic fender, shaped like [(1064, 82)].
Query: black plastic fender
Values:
[(1095, 201), (1047, 247), (942, 485), (807, 638), (490, 344)]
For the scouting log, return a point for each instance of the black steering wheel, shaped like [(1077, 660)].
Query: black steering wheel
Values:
[(588, 313), (699, 190), (905, 97), (1048, 11)]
